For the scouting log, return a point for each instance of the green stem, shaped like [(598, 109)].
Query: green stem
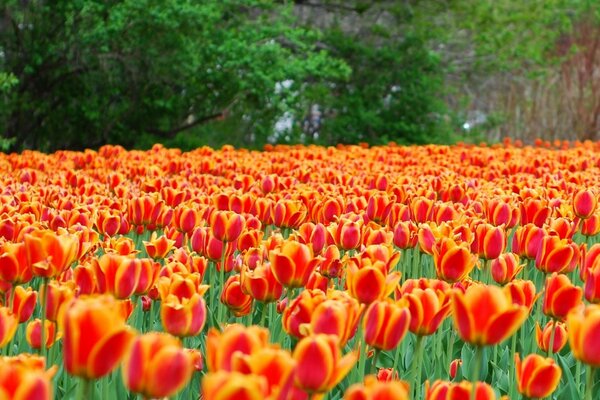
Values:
[(450, 348), (85, 390), (475, 378), (362, 354), (43, 318), (551, 344), (220, 306), (374, 361), (396, 359), (589, 383), (415, 367), (513, 371), (263, 314), (578, 379)]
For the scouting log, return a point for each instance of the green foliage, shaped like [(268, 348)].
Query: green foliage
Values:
[(92, 72)]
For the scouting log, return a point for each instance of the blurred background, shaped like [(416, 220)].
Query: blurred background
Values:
[(82, 73)]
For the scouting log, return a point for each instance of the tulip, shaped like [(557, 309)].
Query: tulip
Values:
[(591, 225), (156, 366), (584, 203), (505, 268), (33, 334), (292, 264), (444, 390), (181, 285), (338, 315), (535, 211), (368, 281), (490, 241), (58, 295), (288, 214), (234, 297), (560, 296), (373, 389), (234, 341), (387, 374), (405, 235), (49, 254), (299, 312), (23, 303), (537, 377), (500, 212), (485, 315), (183, 317), (346, 234), (14, 267), (453, 261), (385, 324), (591, 287), (428, 308), (225, 385), (158, 248), (527, 241), (320, 366), (24, 381), (95, 336), (454, 366), (261, 284), (314, 234), (522, 293), (421, 209), (331, 265), (8, 326), (558, 338), (556, 255), (227, 226)]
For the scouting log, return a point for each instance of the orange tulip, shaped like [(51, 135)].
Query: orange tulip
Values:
[(58, 295), (453, 261), (454, 366), (537, 377), (505, 268), (156, 366), (181, 285), (8, 326), (23, 303), (227, 226), (158, 248), (338, 315), (387, 374), (183, 317), (320, 366), (292, 264), (534, 211), (261, 284), (49, 254), (428, 309), (22, 380), (224, 385), (490, 241), (522, 293), (556, 255), (33, 334), (527, 241), (234, 341), (584, 203), (234, 297), (368, 281), (299, 312), (583, 326), (185, 218), (543, 337), (485, 315), (288, 214), (385, 324), (14, 267), (560, 296), (95, 336), (501, 212), (346, 233), (405, 235), (591, 226), (313, 234), (444, 390), (373, 389)]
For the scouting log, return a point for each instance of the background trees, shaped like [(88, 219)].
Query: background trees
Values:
[(81, 73)]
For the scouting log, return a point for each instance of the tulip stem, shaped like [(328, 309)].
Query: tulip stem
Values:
[(513, 350), (220, 307), (416, 366), (477, 370), (374, 363), (362, 355), (590, 383), (84, 392), (43, 317), (263, 314), (552, 333)]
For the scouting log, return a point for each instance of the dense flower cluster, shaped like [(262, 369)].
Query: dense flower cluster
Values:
[(435, 272)]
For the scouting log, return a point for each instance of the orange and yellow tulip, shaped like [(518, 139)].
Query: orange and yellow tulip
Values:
[(22, 380), (33, 333), (583, 327), (49, 253), (225, 385), (292, 264), (560, 296), (505, 268), (158, 247), (489, 241), (556, 255), (261, 284), (227, 226), (235, 298), (183, 317), (453, 261), (320, 365), (584, 203), (444, 390), (23, 303), (537, 377), (369, 281), (95, 336), (235, 340), (385, 324), (543, 337), (156, 366), (373, 389), (14, 267), (428, 308), (485, 315)]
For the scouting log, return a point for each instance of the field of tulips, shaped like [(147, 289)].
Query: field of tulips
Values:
[(431, 272)]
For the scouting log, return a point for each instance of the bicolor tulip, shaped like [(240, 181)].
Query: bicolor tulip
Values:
[(505, 268), (527, 240), (556, 255), (385, 324), (584, 203), (373, 389), (591, 287), (23, 381), (24, 301), (338, 315), (225, 385), (583, 327), (369, 281), (235, 298), (158, 247), (300, 310), (33, 333), (489, 241), (444, 390), (560, 296), (293, 263), (543, 336), (261, 284), (534, 211), (485, 315), (235, 340), (49, 253), (156, 366), (95, 336), (57, 295), (428, 309), (453, 261), (8, 326), (522, 292), (183, 317), (537, 377), (320, 364), (288, 214), (14, 267), (346, 234), (227, 226)]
